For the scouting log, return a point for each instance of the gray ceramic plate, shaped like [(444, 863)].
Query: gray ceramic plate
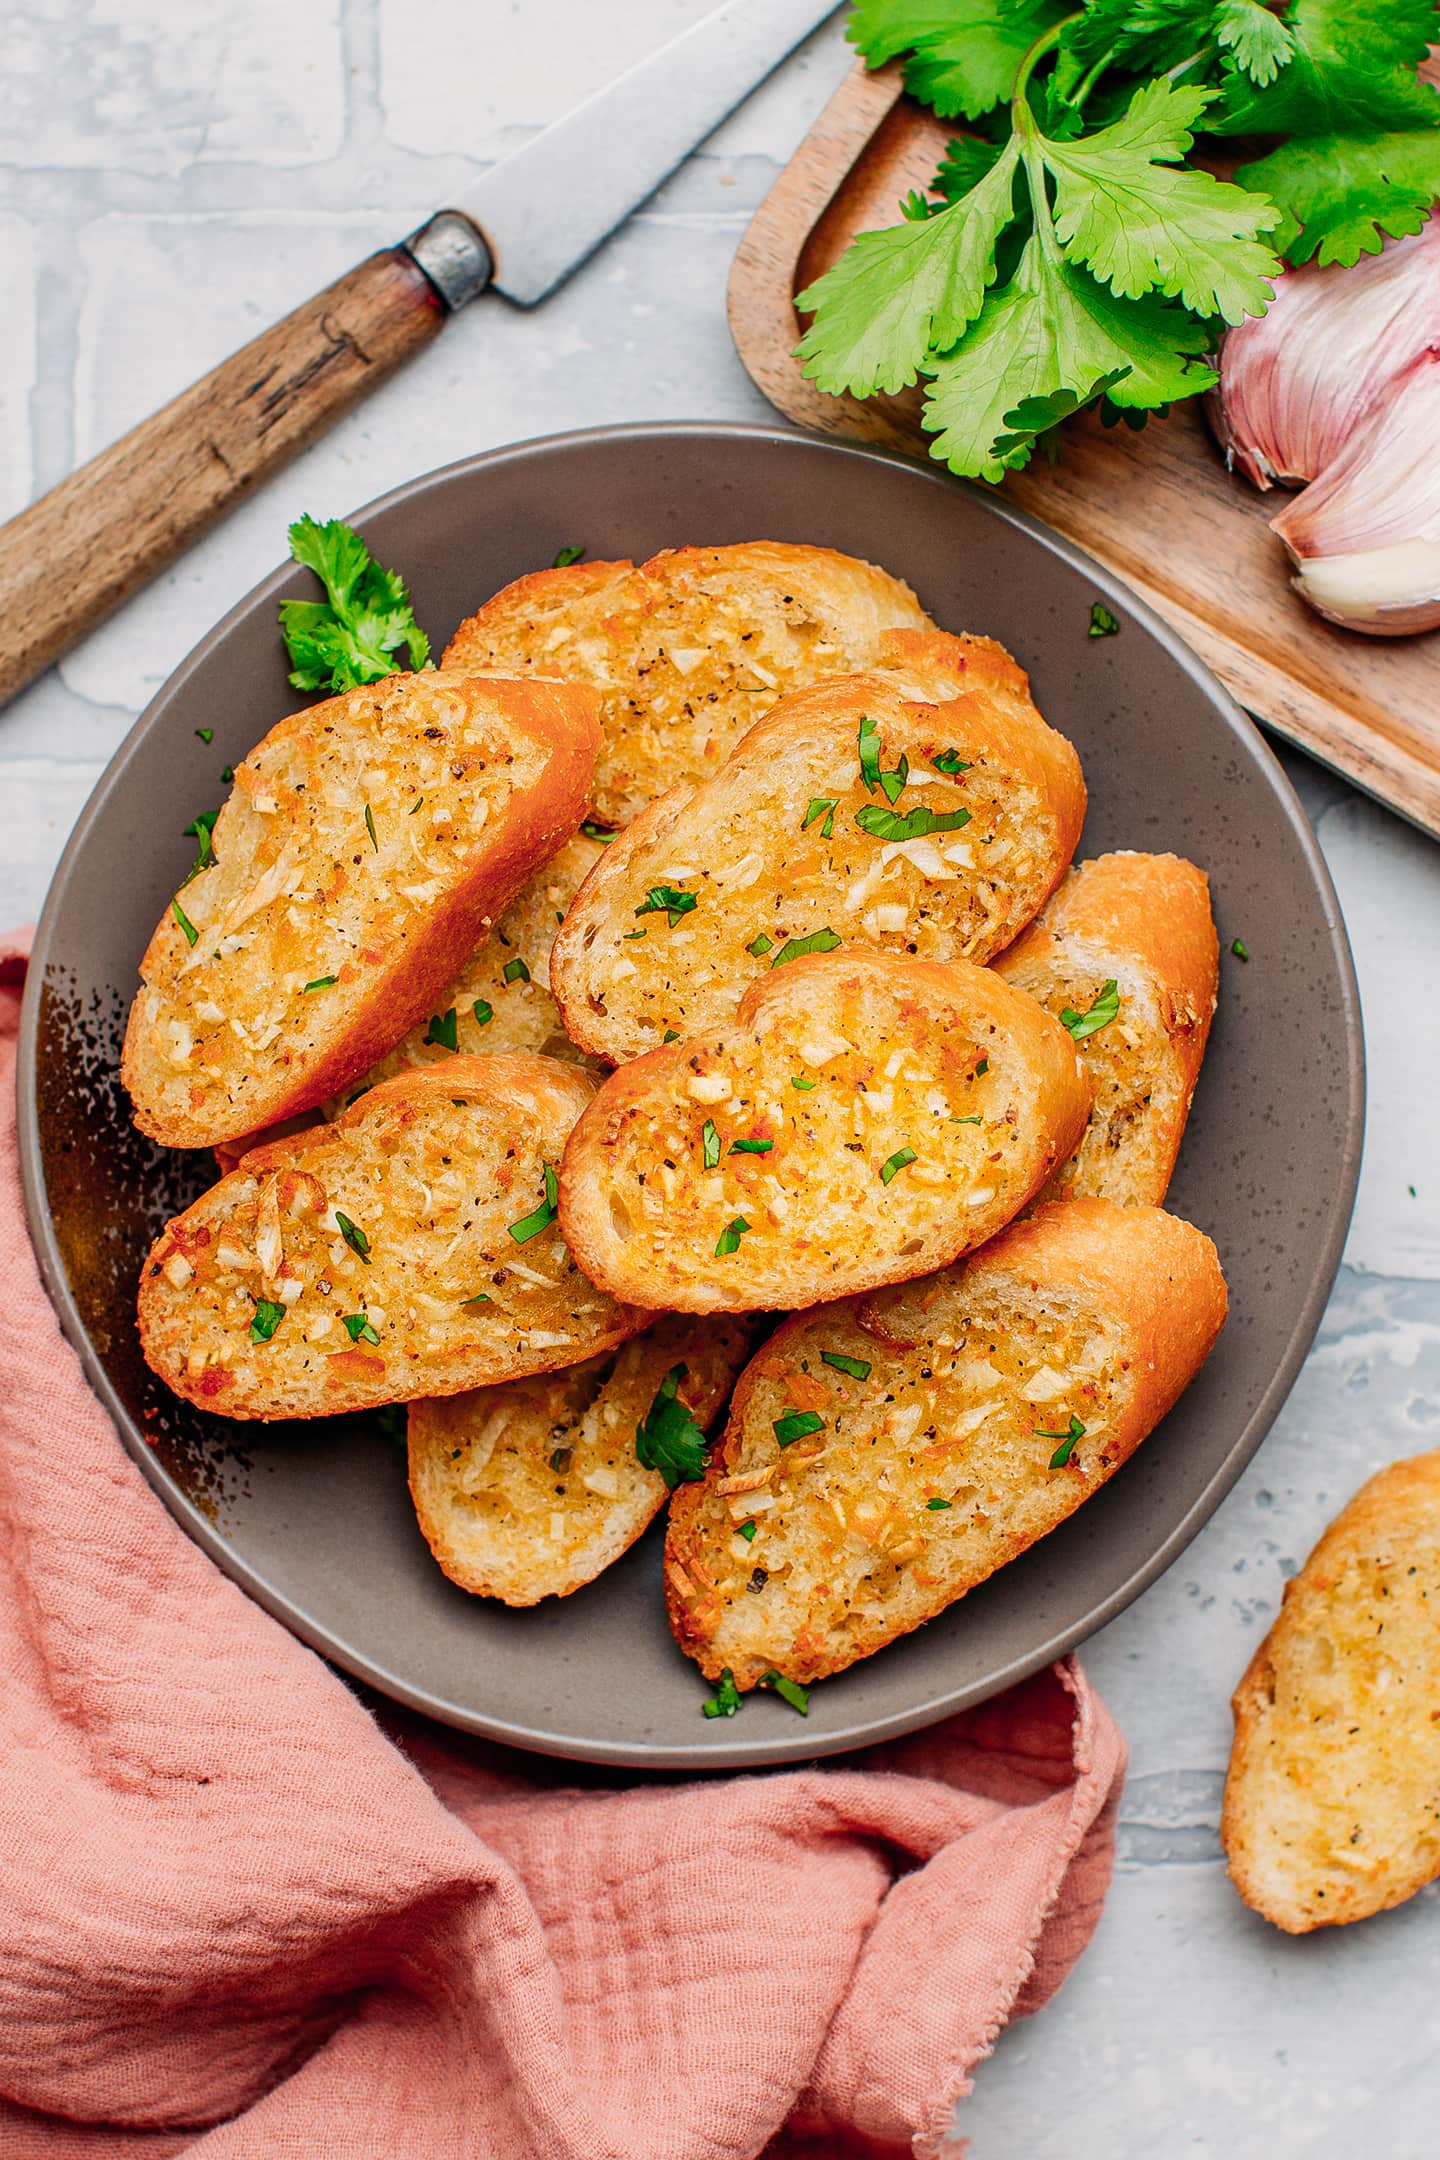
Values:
[(314, 1520)]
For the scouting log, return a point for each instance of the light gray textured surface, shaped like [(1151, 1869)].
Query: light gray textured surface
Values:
[(170, 179)]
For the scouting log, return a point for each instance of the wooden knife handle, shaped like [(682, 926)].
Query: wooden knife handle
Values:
[(74, 555)]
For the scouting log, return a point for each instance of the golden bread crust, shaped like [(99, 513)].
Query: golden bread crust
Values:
[(687, 650), (245, 1298), (775, 848), (530, 1489), (886, 1484), (1143, 921), (366, 842), (934, 1100), (1330, 1807)]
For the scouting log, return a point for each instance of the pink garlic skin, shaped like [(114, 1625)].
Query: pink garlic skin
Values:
[(1365, 536), (1297, 381)]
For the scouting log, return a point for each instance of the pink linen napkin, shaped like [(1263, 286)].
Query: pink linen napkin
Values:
[(241, 1919)]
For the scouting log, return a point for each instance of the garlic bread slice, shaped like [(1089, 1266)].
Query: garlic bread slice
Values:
[(1332, 1803), (369, 841), (1127, 951), (500, 999), (893, 1451), (862, 1119), (529, 1489), (688, 649), (852, 811), (409, 1249)]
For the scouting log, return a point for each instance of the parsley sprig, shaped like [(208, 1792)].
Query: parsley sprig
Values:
[(365, 621), (1074, 251), (668, 1439)]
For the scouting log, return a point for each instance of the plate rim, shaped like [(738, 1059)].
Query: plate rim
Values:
[(797, 1745)]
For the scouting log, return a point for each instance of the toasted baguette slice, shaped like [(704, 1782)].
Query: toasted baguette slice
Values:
[(244, 1297), (887, 1485), (789, 840), (528, 1490), (932, 1103), (688, 649), (1142, 922), (369, 841), (500, 1000), (1330, 1805)]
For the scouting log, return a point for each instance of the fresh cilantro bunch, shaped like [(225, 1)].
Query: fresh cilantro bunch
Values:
[(1074, 253), (353, 635)]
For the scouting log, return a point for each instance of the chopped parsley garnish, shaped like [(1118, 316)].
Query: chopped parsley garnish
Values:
[(560, 1458), (200, 828), (726, 1699), (191, 933), (729, 1239), (227, 777), (355, 634), (974, 1119), (1240, 949), (321, 982), (671, 901), (370, 828), (869, 750), (982, 1068), (912, 825), (857, 1367), (751, 1147), (539, 1218), (1074, 1431), (630, 934), (267, 1317), (419, 799), (481, 1297), (818, 941), (933, 1504), (1105, 1008), (1102, 622), (759, 946), (950, 761), (788, 1690), (798, 1425), (670, 1035), (515, 971), (592, 831), (358, 1327), (668, 1439), (893, 783), (354, 1237), (443, 1029), (711, 1143), (565, 556), (821, 806), (747, 1530), (206, 734), (803, 1085), (896, 1163), (483, 1011)]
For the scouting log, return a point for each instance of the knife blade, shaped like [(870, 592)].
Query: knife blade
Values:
[(68, 560)]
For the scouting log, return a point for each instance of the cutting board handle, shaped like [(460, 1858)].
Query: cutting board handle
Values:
[(74, 555)]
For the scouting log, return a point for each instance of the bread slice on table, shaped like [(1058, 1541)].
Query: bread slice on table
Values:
[(688, 649), (1332, 1804), (368, 842), (409, 1249), (862, 1119), (528, 1490), (500, 999), (894, 1451), (851, 812), (1133, 936)]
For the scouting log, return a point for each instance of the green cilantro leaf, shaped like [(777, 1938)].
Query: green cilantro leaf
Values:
[(890, 1169), (484, 1012), (1240, 949), (321, 982), (759, 946), (1099, 1014), (804, 1086), (515, 971), (751, 1147), (1258, 40), (668, 1439), (818, 941), (354, 635), (857, 1368), (370, 828), (962, 53), (592, 831), (950, 761), (267, 1317), (354, 1237), (358, 1327), (912, 825), (729, 1239), (539, 1218), (937, 1504), (671, 901), (1102, 622), (191, 933), (1074, 1431), (821, 806), (788, 1690), (1343, 194), (565, 556), (200, 828), (867, 745), (727, 1697), (443, 1029), (710, 1144), (798, 1425)]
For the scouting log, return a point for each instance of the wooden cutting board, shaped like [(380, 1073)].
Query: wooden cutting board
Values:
[(1156, 506)]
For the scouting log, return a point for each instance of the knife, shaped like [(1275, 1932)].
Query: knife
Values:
[(70, 559)]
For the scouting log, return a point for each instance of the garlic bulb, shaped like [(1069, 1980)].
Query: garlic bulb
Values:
[(1337, 385)]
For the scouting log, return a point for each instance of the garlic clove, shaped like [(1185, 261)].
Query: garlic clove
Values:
[(1365, 536), (1296, 381)]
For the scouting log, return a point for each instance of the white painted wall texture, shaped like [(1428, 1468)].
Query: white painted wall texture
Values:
[(172, 177)]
